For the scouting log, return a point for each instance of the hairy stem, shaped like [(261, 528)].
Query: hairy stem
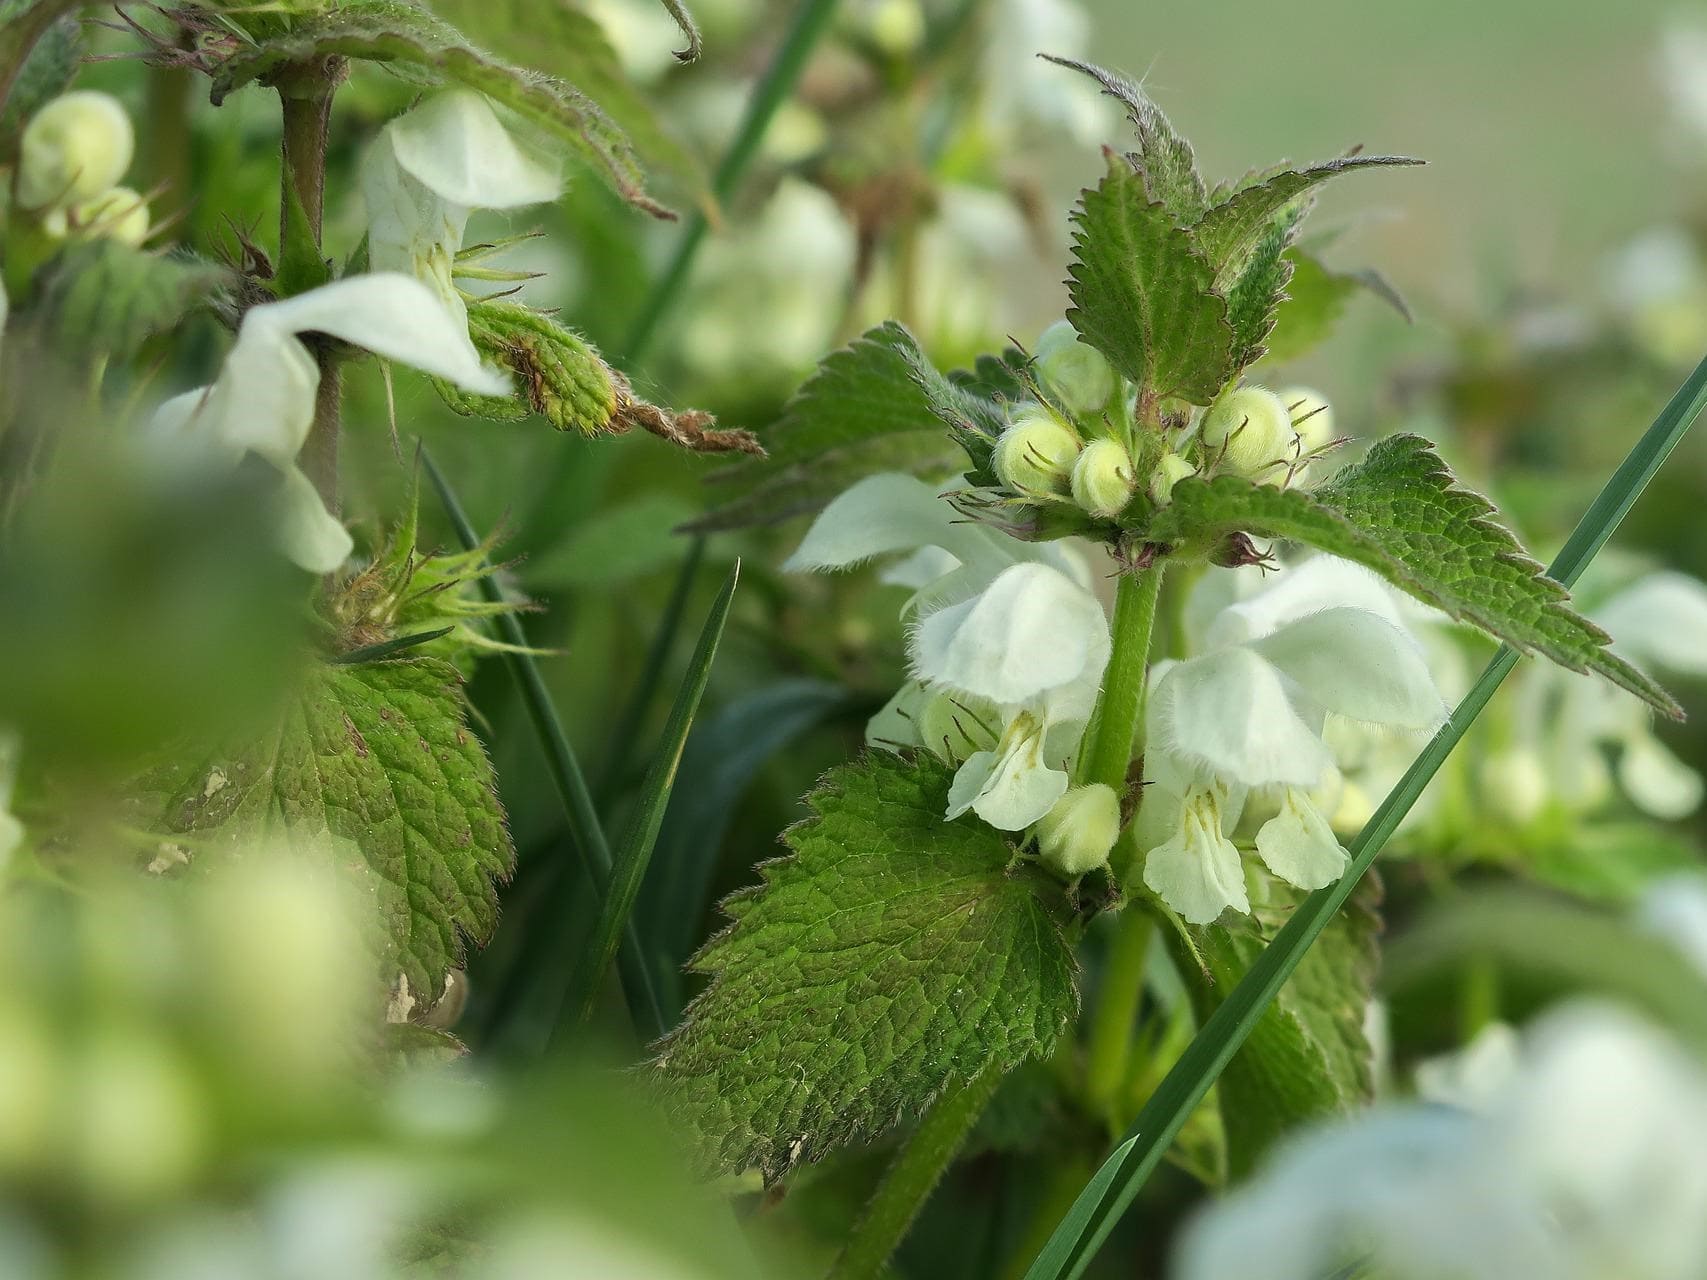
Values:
[(909, 1180), (306, 98), (1110, 1051), (1107, 752)]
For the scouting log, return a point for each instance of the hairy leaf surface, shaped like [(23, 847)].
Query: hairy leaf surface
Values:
[(1143, 295), (376, 757), (891, 957), (1401, 513)]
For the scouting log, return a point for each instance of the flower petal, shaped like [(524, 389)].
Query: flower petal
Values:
[(1321, 582), (1656, 780), (1358, 664), (391, 315), (892, 512), (263, 399), (1198, 871), (1298, 845), (896, 724), (455, 145), (1228, 712), (1031, 630), (1660, 621), (311, 536), (1012, 786)]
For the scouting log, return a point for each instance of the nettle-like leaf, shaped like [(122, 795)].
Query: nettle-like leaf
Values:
[(102, 298), (378, 758), (399, 32), (1401, 513), (892, 957), (1233, 230), (1259, 291), (564, 41), (1316, 295), (1143, 295), (561, 376), (40, 69), (1165, 158), (1308, 1057), (865, 410)]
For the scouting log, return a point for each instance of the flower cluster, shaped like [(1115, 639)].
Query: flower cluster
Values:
[(1237, 735), (72, 156)]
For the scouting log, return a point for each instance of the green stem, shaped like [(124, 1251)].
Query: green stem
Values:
[(1107, 753), (167, 138), (778, 82), (912, 1175), (306, 101), (1110, 1050)]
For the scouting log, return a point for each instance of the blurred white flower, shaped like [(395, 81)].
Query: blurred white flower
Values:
[(1251, 713), (1025, 93), (1675, 908), (1473, 1077), (1589, 1163), (1682, 66), (1007, 629), (433, 166), (263, 400)]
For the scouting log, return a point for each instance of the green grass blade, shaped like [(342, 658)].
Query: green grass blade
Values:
[(1115, 1185), (636, 852), (563, 766), (640, 700), (810, 19), (387, 648)]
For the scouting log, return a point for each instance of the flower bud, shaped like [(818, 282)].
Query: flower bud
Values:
[(1251, 430), (121, 214), (75, 148), (1035, 455), (1077, 834), (955, 725), (1312, 416), (895, 26), (1103, 478), (1170, 470), (1514, 782), (1073, 370)]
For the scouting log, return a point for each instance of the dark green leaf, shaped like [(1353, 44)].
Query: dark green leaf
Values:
[(894, 956), (48, 62), (377, 758), (1170, 169), (1315, 298), (1143, 295), (1258, 292), (1401, 513), (99, 297), (865, 410)]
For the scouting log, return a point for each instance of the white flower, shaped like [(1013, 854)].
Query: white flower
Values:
[(1022, 89), (263, 400), (429, 169), (1589, 1163), (1008, 627), (1252, 712)]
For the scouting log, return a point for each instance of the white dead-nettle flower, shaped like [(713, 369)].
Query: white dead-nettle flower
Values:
[(1026, 94), (263, 400), (430, 169), (1564, 721), (1588, 1163), (1008, 650), (1246, 718)]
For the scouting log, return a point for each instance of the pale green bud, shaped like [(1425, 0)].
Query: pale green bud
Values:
[(1077, 373), (121, 214), (1515, 784), (954, 725), (1035, 455), (1103, 478), (1312, 416), (75, 148), (1077, 834), (1250, 430), (137, 1131), (1170, 470), (895, 26)]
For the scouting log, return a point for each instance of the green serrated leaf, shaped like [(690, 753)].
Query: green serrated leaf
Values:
[(379, 758), (1308, 1057), (862, 412), (102, 298), (1143, 295), (398, 32), (1231, 232), (48, 61), (893, 956), (1401, 513), (1259, 291), (1315, 297), (561, 40), (1169, 167)]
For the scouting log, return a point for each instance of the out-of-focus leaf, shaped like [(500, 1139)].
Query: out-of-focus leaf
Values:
[(613, 545), (47, 66), (1315, 298), (891, 958), (395, 31), (102, 298)]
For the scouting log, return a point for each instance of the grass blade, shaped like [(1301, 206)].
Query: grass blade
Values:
[(562, 764), (636, 852), (1115, 1185), (387, 648)]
